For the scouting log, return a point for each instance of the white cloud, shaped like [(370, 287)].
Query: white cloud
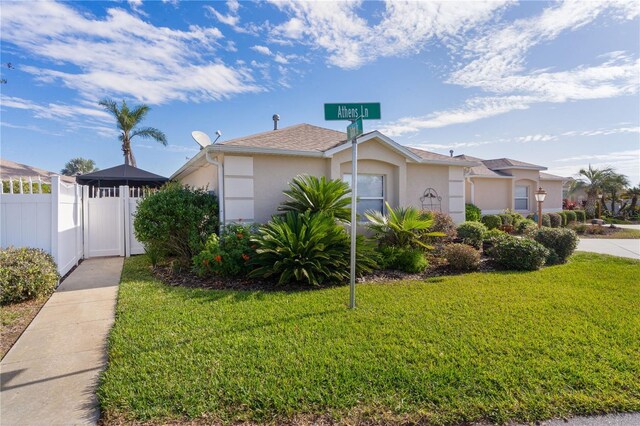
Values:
[(121, 55), (625, 162), (232, 18), (350, 41), (30, 127), (262, 49), (53, 110)]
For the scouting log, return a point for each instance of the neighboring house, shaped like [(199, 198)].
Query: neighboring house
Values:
[(250, 173), (499, 184), (11, 169)]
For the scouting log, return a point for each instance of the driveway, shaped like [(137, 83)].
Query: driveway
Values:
[(622, 248), (50, 375)]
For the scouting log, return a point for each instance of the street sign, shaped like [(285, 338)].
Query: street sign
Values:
[(370, 111), (354, 129)]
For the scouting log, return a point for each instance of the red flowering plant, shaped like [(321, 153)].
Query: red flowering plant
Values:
[(226, 255)]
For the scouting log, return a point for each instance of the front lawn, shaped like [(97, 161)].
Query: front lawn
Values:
[(485, 346)]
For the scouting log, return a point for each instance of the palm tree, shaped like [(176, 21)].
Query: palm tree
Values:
[(592, 181), (79, 166), (632, 193), (613, 186), (401, 227), (127, 120), (318, 195)]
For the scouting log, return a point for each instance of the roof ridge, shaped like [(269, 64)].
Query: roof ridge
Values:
[(267, 132)]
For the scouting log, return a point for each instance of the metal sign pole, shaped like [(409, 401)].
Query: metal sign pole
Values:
[(354, 224)]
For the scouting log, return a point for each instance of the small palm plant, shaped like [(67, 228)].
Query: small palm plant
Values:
[(401, 227), (315, 195)]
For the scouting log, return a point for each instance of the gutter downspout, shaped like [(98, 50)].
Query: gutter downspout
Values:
[(220, 167), (472, 191)]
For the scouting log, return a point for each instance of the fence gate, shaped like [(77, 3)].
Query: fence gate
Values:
[(108, 221)]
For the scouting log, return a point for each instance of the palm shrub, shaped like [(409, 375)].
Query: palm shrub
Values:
[(561, 243), (491, 221), (176, 221), (472, 212), (519, 253), (26, 273), (313, 194), (472, 233), (306, 247), (401, 227)]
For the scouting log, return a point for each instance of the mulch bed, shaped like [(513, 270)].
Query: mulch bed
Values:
[(438, 267)]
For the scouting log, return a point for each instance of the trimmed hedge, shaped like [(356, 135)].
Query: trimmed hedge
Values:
[(571, 216), (520, 254), (26, 273), (563, 215), (526, 226), (492, 221), (561, 243), (555, 220), (581, 216), (472, 212), (462, 257), (472, 233)]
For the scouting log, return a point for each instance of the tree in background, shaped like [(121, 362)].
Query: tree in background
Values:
[(632, 194), (592, 181), (79, 166), (613, 187), (127, 120)]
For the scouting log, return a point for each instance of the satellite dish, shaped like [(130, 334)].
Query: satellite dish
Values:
[(201, 138)]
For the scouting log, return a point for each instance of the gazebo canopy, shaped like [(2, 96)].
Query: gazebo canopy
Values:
[(122, 175)]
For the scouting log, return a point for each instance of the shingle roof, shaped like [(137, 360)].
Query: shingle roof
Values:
[(549, 176), (301, 137), (482, 169), (12, 169), (508, 163), (427, 155)]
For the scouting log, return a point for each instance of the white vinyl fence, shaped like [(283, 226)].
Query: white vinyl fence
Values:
[(71, 222)]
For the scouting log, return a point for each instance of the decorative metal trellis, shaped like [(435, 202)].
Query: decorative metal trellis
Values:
[(431, 200)]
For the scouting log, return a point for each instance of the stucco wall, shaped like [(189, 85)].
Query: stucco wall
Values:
[(492, 195), (422, 176), (272, 175), (204, 176), (553, 200)]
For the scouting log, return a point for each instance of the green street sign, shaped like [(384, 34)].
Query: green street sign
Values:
[(354, 129), (370, 111)]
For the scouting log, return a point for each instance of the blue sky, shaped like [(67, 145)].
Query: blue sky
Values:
[(552, 83)]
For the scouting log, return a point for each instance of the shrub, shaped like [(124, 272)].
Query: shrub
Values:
[(318, 195), (595, 229), (571, 216), (555, 220), (176, 220), (472, 212), (406, 259), (227, 255), (563, 215), (579, 228), (472, 233), (505, 218), (494, 234), (561, 243), (462, 257), (26, 273), (517, 218), (305, 247), (491, 221), (401, 227), (520, 254), (526, 226), (442, 223), (581, 216)]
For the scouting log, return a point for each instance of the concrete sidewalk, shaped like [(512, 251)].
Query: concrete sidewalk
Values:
[(49, 376), (622, 248)]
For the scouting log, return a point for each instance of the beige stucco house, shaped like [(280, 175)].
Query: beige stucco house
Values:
[(499, 184), (250, 173)]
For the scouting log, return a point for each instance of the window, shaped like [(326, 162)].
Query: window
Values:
[(370, 192), (522, 198)]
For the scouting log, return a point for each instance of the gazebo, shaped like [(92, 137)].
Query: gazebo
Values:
[(122, 175)]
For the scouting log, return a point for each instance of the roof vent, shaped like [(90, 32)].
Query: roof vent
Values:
[(276, 118), (451, 152)]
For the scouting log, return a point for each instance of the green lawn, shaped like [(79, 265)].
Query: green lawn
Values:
[(499, 346)]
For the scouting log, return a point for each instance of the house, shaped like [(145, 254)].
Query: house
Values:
[(15, 171), (503, 183), (250, 173)]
